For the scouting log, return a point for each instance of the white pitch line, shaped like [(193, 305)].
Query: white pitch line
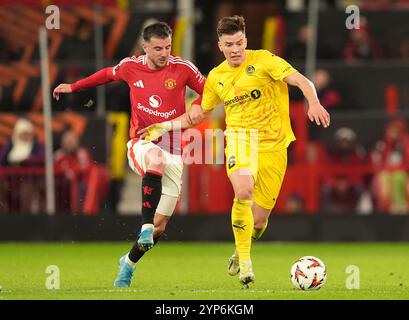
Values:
[(176, 291)]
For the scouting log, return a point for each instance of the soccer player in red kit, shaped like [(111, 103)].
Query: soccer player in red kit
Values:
[(157, 83)]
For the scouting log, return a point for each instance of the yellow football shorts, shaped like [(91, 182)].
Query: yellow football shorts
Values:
[(268, 170)]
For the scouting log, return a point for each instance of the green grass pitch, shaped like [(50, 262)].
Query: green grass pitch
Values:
[(197, 271)]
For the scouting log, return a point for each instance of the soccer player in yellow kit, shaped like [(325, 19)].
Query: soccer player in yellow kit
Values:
[(252, 85)]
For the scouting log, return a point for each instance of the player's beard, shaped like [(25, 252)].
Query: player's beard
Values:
[(161, 62)]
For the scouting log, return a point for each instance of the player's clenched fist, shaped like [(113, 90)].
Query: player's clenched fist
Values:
[(196, 114), (62, 88), (155, 131)]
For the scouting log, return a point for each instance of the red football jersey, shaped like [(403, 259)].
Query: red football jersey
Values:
[(156, 95)]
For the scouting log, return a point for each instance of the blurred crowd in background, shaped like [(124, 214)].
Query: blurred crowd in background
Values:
[(357, 166)]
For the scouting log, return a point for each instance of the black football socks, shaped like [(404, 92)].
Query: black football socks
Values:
[(151, 193), (135, 254)]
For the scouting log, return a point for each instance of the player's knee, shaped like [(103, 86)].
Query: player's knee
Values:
[(155, 160), (244, 193), (259, 222)]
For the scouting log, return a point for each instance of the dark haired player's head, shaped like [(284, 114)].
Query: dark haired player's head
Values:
[(232, 39), (231, 25), (159, 30), (157, 44)]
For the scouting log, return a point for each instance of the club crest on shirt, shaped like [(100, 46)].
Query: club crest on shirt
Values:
[(255, 94), (170, 84), (250, 69), (231, 162)]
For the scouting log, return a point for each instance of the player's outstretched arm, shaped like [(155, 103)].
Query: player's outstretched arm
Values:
[(187, 120), (316, 112), (62, 88), (100, 77)]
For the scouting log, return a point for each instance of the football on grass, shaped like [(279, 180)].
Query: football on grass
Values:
[(308, 273)]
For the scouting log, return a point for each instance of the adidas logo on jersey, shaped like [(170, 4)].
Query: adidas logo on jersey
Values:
[(139, 84)]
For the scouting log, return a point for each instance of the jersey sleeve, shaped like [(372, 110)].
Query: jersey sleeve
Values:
[(195, 80), (210, 98), (275, 66), (118, 71), (100, 77)]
